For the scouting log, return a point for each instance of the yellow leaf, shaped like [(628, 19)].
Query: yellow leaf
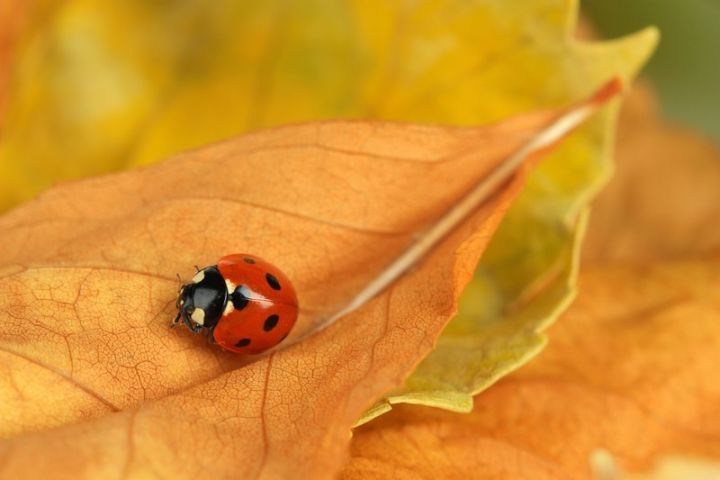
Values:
[(13, 20), (631, 368), (87, 270)]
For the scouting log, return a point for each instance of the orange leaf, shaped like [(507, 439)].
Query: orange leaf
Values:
[(88, 270), (631, 368), (664, 200)]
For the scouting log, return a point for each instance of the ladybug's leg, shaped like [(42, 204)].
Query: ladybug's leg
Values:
[(192, 326), (210, 336), (176, 321)]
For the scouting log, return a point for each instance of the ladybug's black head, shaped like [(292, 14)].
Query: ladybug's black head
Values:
[(201, 302)]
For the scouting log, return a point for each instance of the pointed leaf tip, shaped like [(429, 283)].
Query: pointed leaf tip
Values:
[(613, 87), (541, 143)]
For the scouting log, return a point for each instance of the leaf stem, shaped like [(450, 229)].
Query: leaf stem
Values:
[(551, 135)]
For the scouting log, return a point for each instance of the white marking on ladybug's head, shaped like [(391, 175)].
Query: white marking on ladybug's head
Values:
[(229, 308), (230, 286), (198, 316), (199, 277)]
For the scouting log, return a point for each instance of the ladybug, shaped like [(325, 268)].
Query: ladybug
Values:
[(244, 304)]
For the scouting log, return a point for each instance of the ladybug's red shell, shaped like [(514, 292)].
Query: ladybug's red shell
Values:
[(261, 306)]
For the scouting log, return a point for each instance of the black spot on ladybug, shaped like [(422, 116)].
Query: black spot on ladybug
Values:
[(270, 322), (272, 281), (244, 342), (238, 298), (248, 260)]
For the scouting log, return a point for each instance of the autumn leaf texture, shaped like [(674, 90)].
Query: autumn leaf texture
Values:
[(627, 388), (506, 257), (269, 64), (76, 259), (623, 372)]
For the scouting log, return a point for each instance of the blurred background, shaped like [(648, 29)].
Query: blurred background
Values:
[(685, 69)]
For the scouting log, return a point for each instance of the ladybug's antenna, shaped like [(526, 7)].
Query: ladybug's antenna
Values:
[(177, 303), (176, 321)]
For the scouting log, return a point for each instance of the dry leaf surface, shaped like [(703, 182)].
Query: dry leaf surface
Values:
[(89, 269), (104, 85), (631, 368)]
